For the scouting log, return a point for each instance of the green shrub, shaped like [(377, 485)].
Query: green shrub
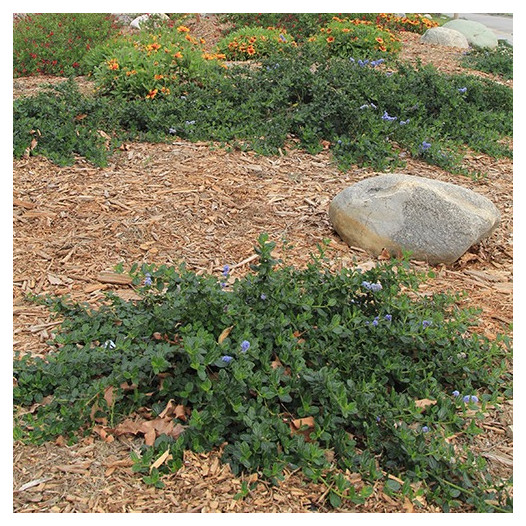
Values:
[(152, 65), (299, 25), (346, 38), (498, 61), (377, 373), (255, 42), (54, 43)]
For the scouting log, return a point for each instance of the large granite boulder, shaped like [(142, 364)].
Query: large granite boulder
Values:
[(478, 35), (435, 221), (444, 36)]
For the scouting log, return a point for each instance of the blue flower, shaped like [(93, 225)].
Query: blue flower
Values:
[(403, 123), (244, 346), (148, 279), (470, 398), (339, 141), (425, 146), (352, 59), (425, 429), (172, 131), (226, 270), (223, 284), (374, 287), (263, 296), (189, 123), (387, 117), (455, 393), (426, 323), (375, 322), (388, 317), (378, 419), (226, 358), (282, 38), (375, 63), (462, 90)]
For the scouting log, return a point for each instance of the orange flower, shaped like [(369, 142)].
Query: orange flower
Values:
[(165, 90), (251, 40), (178, 55), (113, 64), (152, 93), (251, 50), (183, 29), (379, 40), (330, 39), (345, 30), (158, 77), (382, 48)]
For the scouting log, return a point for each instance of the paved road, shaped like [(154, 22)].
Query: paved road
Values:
[(502, 26)]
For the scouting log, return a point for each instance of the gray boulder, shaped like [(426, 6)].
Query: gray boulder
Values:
[(444, 36), (478, 35), (435, 221)]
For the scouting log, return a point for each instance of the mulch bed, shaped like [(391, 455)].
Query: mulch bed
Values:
[(182, 201)]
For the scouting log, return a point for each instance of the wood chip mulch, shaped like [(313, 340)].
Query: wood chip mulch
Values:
[(169, 203)]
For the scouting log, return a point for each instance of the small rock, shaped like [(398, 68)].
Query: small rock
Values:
[(444, 36), (437, 222), (136, 23), (477, 35)]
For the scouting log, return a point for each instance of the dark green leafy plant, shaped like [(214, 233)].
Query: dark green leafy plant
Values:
[(284, 366), (498, 61)]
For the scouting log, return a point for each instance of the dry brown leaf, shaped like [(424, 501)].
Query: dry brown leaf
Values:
[(408, 506), (224, 334), (108, 396), (424, 402), (384, 255)]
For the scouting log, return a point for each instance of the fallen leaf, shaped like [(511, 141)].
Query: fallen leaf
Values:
[(424, 402), (408, 506), (108, 395), (384, 255), (224, 334), (160, 461)]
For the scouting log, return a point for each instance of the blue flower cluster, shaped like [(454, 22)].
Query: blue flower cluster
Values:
[(373, 287), (365, 62), (387, 117), (425, 146), (467, 398)]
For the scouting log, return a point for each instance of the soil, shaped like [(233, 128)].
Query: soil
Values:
[(182, 201)]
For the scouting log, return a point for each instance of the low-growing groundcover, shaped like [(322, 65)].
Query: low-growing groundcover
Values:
[(331, 373), (370, 112)]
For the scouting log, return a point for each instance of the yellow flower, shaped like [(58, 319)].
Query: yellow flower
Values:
[(251, 50), (113, 64), (330, 39), (165, 90), (178, 55), (183, 29), (158, 77), (152, 93)]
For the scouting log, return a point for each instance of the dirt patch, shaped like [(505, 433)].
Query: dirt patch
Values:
[(168, 203)]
